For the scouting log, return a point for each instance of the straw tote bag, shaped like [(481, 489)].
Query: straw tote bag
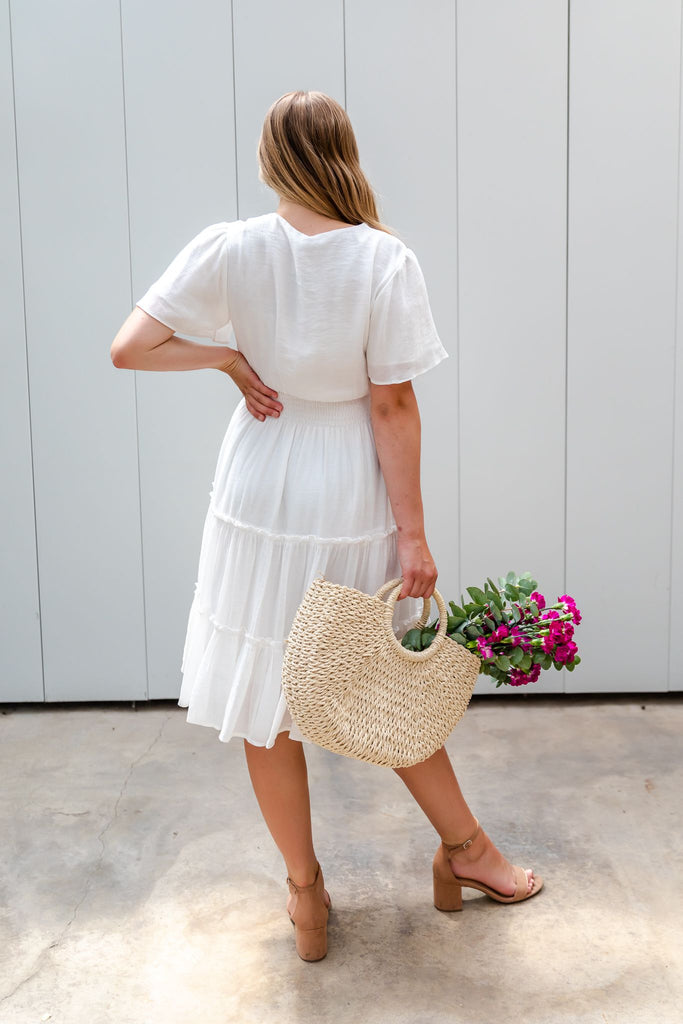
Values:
[(352, 687)]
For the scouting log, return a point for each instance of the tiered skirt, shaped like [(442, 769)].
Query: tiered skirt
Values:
[(293, 497)]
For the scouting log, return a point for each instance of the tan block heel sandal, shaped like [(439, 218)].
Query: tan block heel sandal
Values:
[(448, 886), (308, 909)]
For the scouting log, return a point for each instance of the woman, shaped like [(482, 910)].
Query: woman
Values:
[(318, 472)]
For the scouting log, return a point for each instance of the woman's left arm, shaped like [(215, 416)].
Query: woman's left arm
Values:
[(144, 343)]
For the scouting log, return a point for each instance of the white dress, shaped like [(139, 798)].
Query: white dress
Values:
[(299, 495)]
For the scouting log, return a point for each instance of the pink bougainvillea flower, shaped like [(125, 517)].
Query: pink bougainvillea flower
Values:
[(542, 631)]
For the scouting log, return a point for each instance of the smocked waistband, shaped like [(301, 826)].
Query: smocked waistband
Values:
[(354, 410)]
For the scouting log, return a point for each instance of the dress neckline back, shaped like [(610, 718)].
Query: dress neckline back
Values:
[(318, 234)]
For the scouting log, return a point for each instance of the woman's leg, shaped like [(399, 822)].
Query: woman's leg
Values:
[(279, 776), (435, 788)]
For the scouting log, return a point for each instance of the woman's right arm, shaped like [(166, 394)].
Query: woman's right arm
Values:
[(397, 429), (145, 343)]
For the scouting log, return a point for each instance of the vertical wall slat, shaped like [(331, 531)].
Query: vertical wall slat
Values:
[(67, 64), (21, 670), (181, 166), (624, 87), (512, 100)]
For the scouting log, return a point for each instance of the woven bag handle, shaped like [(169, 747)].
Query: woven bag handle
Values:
[(426, 603), (441, 636)]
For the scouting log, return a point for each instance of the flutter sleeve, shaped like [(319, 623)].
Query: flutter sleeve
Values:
[(191, 296), (402, 338)]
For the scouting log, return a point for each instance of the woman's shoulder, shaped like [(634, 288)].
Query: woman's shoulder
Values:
[(389, 255), (388, 245)]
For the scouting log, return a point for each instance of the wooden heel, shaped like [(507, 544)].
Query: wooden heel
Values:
[(447, 895), (311, 943)]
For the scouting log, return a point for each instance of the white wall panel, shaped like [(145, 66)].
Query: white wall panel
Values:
[(21, 670), (180, 136), (71, 155), (400, 89), (512, 101), (624, 116), (528, 152)]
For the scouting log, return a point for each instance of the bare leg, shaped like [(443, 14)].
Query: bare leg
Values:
[(279, 776), (435, 788)]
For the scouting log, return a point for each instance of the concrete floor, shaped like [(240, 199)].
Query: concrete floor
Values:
[(139, 884)]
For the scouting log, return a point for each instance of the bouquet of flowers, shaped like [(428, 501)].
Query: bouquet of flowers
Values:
[(511, 629)]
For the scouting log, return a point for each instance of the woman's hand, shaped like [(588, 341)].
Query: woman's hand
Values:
[(259, 398), (417, 567)]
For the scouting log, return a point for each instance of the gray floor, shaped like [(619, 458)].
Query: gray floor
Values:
[(140, 884)]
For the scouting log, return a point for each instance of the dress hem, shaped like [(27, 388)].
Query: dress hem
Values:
[(238, 735)]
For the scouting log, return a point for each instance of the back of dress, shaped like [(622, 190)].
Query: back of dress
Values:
[(316, 316), (302, 494)]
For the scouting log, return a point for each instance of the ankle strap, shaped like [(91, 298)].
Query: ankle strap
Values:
[(305, 888), (468, 842)]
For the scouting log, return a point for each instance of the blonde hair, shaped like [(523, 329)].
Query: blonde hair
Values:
[(308, 154)]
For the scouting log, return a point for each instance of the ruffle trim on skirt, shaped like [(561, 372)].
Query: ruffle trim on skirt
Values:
[(302, 538), (253, 579), (250, 585)]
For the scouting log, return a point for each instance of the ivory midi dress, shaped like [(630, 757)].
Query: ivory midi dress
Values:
[(299, 495)]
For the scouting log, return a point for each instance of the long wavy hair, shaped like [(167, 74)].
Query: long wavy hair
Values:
[(307, 153)]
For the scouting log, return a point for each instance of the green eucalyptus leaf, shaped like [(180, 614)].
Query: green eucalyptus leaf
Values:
[(426, 636), (459, 639), (412, 640)]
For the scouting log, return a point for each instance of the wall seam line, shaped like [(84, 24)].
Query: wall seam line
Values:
[(135, 372), (457, 303), (28, 372), (673, 368), (234, 105), (566, 328), (344, 50)]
